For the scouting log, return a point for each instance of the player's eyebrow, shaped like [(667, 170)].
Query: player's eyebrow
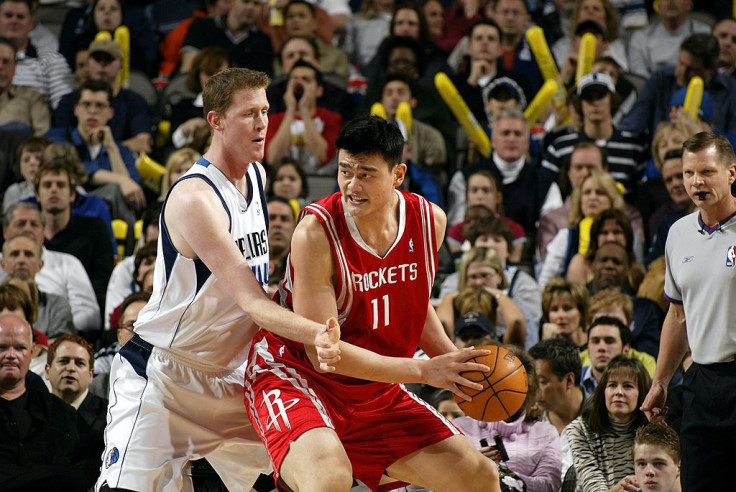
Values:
[(361, 167)]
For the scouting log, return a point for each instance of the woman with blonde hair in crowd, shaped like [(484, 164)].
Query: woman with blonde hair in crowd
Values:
[(481, 268), (596, 192), (177, 164)]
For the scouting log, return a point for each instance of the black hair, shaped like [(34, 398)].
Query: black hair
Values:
[(372, 135), (561, 355), (304, 63), (95, 86), (300, 2), (624, 330), (704, 47)]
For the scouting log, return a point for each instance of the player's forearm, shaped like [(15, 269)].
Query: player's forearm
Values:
[(434, 340), (672, 346), (364, 364), (280, 321)]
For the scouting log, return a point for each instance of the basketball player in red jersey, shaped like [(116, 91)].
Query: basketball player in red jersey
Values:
[(366, 255)]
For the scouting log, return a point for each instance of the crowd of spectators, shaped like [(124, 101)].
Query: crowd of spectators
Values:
[(555, 240)]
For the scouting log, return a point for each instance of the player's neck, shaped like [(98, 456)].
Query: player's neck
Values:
[(379, 229), (719, 212), (230, 164)]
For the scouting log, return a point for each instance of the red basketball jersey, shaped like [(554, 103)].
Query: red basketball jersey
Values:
[(381, 300)]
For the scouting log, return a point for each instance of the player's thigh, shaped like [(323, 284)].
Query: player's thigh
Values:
[(445, 465), (312, 455)]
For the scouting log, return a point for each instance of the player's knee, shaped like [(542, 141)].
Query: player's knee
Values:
[(340, 478)]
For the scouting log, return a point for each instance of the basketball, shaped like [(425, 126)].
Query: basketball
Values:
[(504, 386)]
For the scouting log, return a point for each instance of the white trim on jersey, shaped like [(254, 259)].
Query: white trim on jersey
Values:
[(431, 409), (345, 296), (355, 233), (429, 250)]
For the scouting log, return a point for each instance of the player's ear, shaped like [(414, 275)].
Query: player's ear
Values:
[(398, 172), (214, 120)]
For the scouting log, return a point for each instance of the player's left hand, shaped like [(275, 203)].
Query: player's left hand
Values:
[(444, 370), (327, 343)]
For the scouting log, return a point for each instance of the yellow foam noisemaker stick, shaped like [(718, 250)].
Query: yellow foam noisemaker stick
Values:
[(457, 105), (548, 67), (122, 37), (540, 101), (586, 56), (403, 113), (377, 109), (102, 35), (584, 239), (540, 48), (693, 97)]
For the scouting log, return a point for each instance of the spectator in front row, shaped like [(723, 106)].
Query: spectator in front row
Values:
[(602, 438), (46, 445), (558, 368), (70, 369), (657, 459)]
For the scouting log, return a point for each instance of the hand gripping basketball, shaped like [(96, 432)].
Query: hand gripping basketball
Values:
[(445, 371), (503, 386)]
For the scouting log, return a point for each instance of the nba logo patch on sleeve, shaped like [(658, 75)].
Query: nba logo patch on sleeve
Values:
[(731, 256)]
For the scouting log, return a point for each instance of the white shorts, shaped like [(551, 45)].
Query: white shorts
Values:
[(164, 412)]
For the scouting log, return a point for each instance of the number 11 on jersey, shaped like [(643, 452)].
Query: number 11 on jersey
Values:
[(374, 303)]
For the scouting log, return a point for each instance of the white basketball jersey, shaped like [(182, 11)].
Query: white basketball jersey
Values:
[(190, 313)]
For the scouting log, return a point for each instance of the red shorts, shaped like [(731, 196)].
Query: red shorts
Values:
[(377, 425)]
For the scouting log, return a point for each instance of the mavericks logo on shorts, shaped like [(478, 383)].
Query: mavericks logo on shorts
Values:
[(112, 457)]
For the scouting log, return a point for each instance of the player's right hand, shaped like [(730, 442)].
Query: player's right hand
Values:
[(654, 405), (327, 343), (444, 370)]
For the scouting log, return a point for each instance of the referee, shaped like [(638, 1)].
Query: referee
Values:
[(700, 283)]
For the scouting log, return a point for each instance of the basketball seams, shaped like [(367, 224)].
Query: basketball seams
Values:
[(504, 395)]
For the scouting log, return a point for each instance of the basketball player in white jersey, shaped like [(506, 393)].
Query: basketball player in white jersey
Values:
[(176, 388)]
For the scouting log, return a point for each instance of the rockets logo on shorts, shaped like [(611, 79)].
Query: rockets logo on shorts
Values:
[(277, 409), (731, 256)]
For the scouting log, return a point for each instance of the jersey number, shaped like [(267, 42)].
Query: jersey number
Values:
[(374, 303)]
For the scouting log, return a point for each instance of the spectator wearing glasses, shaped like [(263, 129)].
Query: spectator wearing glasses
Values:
[(110, 164), (131, 119), (129, 310)]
